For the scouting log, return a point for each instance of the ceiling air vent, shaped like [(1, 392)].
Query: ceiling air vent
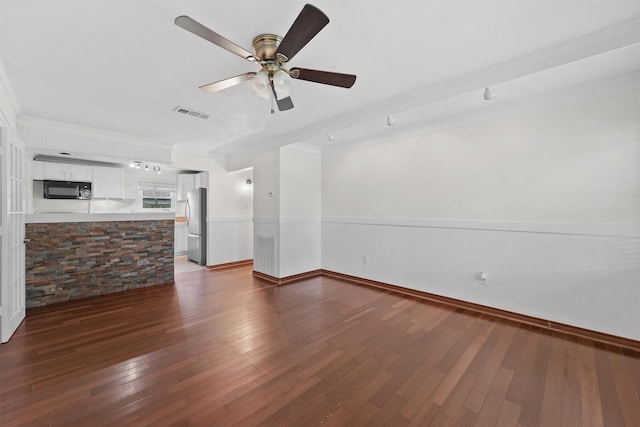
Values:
[(193, 113)]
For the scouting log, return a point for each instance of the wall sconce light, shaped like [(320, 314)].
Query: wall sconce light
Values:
[(391, 121), (489, 93), (248, 181)]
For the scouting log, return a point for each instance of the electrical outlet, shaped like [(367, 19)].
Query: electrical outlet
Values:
[(365, 259)]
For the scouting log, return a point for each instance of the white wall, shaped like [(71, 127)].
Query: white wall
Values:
[(230, 216), (266, 211), (266, 185), (287, 207), (300, 207), (570, 165), (547, 203)]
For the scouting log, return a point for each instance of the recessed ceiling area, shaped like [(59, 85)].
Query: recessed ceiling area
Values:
[(124, 66)]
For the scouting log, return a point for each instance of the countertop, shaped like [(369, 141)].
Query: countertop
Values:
[(98, 217)]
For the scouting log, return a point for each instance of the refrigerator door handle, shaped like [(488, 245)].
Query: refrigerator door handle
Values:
[(187, 212)]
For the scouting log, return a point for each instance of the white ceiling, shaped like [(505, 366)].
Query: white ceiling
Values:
[(123, 65)]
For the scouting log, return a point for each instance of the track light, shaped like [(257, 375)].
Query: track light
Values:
[(489, 93), (137, 164), (248, 181), (391, 121), (330, 137)]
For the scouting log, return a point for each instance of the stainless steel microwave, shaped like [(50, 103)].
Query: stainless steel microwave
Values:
[(67, 190)]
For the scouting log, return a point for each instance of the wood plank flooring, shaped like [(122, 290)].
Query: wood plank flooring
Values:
[(226, 349)]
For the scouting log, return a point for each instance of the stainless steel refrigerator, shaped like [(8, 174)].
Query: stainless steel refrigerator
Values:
[(196, 212)]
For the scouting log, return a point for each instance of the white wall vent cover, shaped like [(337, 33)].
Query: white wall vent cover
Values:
[(265, 254), (190, 112)]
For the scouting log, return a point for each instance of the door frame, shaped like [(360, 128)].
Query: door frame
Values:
[(12, 233)]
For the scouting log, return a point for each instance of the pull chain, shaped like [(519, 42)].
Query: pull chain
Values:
[(272, 104), (273, 93)]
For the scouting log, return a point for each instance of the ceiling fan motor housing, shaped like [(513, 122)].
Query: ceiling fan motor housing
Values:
[(266, 46)]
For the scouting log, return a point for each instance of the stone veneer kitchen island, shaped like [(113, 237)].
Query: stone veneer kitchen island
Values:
[(70, 256)]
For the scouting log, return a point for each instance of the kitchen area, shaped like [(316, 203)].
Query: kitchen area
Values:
[(95, 227)]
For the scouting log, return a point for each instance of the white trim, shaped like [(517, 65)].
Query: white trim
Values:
[(8, 118), (213, 219), (31, 122), (98, 217), (288, 220), (266, 220), (602, 230)]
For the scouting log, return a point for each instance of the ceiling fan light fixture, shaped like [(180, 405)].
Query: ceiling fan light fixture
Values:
[(281, 84), (260, 84)]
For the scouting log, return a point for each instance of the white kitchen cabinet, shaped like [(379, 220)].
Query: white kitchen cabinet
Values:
[(108, 183), (61, 171), (37, 170), (57, 171), (80, 173), (201, 180), (180, 236), (190, 181), (186, 182)]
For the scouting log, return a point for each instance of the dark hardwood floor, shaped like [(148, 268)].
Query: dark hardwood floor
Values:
[(226, 349)]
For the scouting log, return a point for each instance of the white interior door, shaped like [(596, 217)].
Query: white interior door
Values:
[(12, 207)]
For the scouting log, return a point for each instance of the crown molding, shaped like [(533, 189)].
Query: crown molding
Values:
[(42, 134), (31, 122)]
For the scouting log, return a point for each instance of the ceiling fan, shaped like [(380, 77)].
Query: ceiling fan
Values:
[(272, 53)]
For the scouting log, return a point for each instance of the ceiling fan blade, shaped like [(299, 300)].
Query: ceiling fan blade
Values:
[(200, 30), (227, 83), (308, 23), (324, 77)]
